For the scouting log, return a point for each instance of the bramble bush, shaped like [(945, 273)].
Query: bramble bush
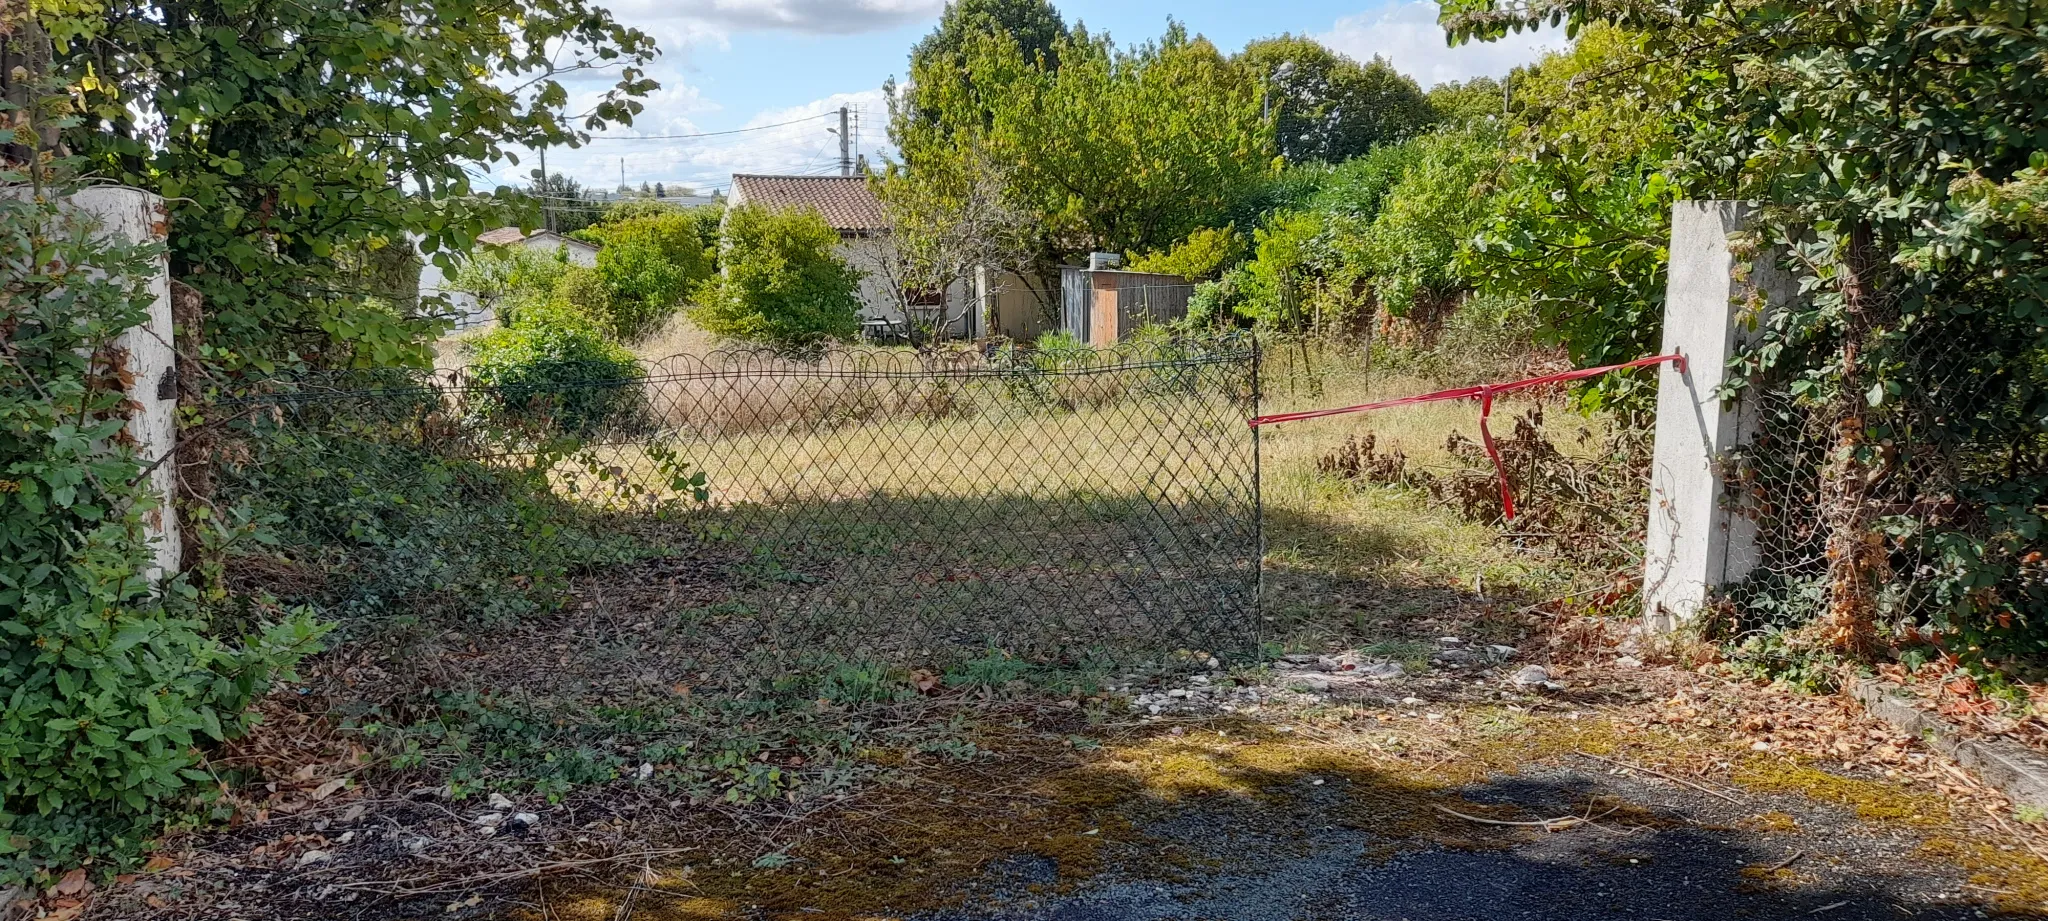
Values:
[(109, 691)]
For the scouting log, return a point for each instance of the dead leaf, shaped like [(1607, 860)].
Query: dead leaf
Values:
[(328, 789), (73, 883), (924, 680), (303, 773), (158, 863)]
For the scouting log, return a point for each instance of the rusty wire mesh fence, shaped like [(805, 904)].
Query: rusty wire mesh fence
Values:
[(884, 505), (1905, 513)]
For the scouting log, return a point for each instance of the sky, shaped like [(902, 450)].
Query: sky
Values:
[(775, 72)]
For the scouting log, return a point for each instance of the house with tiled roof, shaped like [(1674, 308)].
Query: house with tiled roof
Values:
[(848, 204), (580, 252)]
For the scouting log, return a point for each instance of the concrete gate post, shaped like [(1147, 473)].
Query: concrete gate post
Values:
[(1696, 542), (134, 216)]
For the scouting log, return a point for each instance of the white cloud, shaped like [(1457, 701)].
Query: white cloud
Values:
[(816, 17), (792, 140), (1407, 35)]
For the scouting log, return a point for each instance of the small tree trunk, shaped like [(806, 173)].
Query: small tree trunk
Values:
[(1856, 558), (196, 450)]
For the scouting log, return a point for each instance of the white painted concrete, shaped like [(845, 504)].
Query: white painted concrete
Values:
[(1696, 542), (135, 216)]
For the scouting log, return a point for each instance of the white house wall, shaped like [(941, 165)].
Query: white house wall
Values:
[(871, 256)]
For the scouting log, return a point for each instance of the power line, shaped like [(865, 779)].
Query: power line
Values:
[(708, 134)]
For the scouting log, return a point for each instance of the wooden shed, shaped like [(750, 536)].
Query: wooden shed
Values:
[(1104, 306)]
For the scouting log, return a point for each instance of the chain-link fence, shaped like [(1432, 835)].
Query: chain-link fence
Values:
[(870, 504), (1902, 508)]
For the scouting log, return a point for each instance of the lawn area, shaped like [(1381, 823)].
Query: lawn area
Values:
[(931, 646)]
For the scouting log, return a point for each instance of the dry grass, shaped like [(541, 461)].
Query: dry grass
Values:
[(678, 336)]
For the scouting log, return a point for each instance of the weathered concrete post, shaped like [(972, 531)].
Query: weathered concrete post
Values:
[(1696, 542), (134, 216)]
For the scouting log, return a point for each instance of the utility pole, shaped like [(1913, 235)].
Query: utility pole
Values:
[(845, 146), (622, 177), (547, 193)]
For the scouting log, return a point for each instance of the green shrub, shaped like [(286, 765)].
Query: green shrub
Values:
[(109, 692), (582, 291), (555, 364), (649, 262), (1203, 254), (504, 279), (781, 282)]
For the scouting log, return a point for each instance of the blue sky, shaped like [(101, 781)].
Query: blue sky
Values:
[(732, 64)]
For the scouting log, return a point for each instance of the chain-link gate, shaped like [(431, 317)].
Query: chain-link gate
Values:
[(877, 504)]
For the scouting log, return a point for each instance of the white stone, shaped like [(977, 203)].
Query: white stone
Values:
[(500, 802), (1532, 674)]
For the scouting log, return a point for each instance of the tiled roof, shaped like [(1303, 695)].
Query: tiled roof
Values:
[(503, 236), (506, 236), (846, 201)]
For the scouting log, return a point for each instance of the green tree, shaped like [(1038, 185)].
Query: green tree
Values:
[(504, 279), (1899, 151), (1329, 108), (1034, 25), (780, 282), (649, 264), (1413, 245), (1584, 214), (280, 133), (1117, 150), (1477, 99), (561, 204), (1203, 254)]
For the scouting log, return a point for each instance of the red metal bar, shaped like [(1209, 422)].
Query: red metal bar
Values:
[(1485, 394)]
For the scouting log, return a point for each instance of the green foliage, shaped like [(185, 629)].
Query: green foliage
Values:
[(1292, 248), (558, 202), (281, 133), (1203, 254), (1584, 215), (1899, 151), (112, 690), (401, 532), (1354, 191), (556, 363), (505, 278), (1329, 108), (1476, 100), (1413, 245), (1034, 25), (1115, 150), (781, 282), (649, 263)]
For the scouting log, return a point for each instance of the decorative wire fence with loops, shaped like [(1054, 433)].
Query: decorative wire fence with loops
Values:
[(883, 505)]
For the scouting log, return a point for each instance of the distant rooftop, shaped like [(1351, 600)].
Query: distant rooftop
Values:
[(846, 201), (506, 236)]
